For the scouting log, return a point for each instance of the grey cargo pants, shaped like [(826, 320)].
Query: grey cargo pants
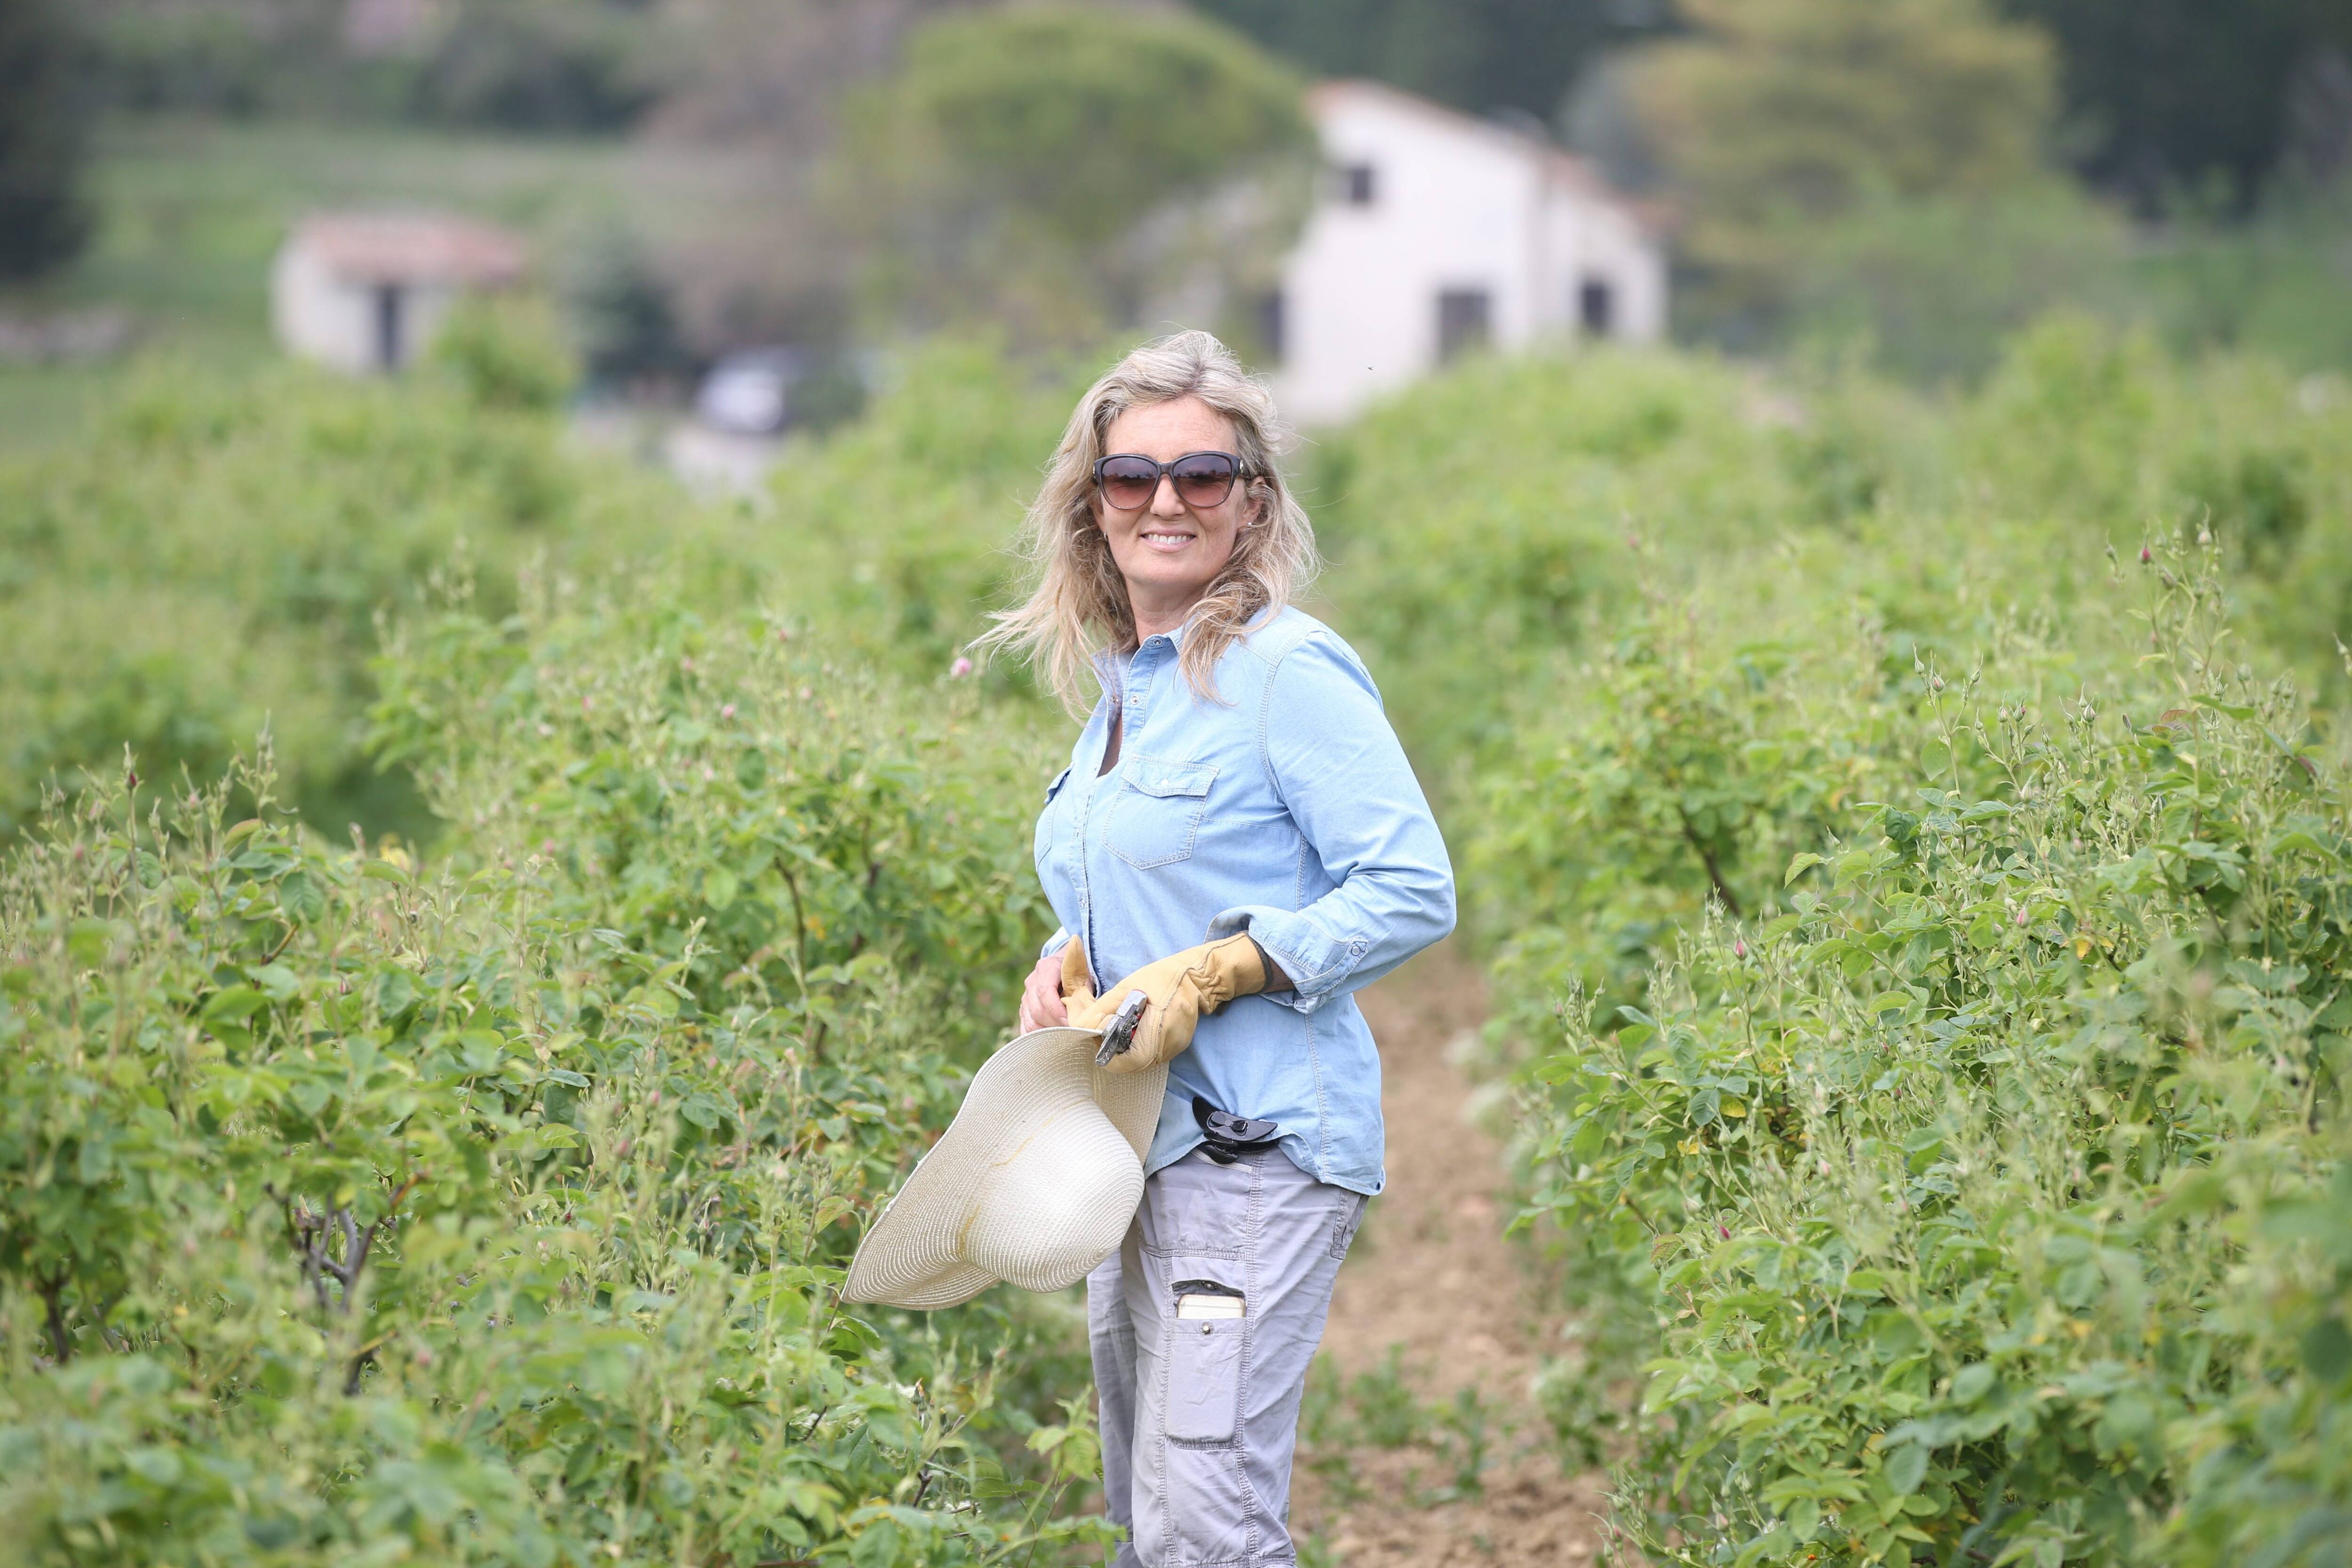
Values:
[(1199, 1418)]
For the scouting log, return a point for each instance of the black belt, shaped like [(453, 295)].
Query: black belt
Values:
[(1227, 1137)]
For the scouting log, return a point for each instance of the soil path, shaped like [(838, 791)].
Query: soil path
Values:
[(1431, 1279)]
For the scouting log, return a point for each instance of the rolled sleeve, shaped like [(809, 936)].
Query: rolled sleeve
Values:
[(1339, 769)]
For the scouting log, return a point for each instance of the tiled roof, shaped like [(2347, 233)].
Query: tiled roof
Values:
[(393, 248), (1559, 164)]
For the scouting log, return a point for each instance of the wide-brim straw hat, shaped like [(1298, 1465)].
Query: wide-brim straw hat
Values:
[(1034, 1182)]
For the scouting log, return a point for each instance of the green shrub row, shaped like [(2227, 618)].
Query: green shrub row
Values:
[(1938, 1179), (491, 1209), (1916, 923)]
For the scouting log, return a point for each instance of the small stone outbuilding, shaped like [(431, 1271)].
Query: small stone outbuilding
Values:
[(364, 292)]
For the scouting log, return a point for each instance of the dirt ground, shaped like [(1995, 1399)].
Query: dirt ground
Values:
[(1431, 1276)]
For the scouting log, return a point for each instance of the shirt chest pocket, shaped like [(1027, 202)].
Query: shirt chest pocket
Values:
[(1156, 814), (1048, 819)]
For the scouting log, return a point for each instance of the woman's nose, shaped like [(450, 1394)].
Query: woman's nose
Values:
[(1165, 501)]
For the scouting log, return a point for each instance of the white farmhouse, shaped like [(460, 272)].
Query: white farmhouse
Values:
[(1437, 233), (364, 292)]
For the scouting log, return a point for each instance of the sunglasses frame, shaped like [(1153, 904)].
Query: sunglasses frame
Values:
[(1165, 471)]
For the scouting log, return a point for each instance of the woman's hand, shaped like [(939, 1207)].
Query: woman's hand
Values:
[(1182, 989), (1041, 997)]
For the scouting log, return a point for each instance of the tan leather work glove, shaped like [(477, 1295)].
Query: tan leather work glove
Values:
[(1185, 988), (1077, 978)]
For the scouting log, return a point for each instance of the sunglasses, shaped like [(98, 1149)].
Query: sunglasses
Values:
[(1128, 480)]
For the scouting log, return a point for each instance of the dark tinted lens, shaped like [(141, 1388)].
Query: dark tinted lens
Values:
[(1127, 482), (1204, 477)]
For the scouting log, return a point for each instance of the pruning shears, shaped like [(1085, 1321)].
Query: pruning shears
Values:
[(1118, 1035)]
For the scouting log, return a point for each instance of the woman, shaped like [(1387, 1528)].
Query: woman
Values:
[(1239, 837)]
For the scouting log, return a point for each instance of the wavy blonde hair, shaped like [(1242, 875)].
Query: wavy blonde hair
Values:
[(1079, 602)]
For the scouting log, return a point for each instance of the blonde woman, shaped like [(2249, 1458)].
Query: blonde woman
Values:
[(1239, 837)]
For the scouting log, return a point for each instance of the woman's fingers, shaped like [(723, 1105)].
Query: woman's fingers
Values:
[(1041, 997), (1034, 1013)]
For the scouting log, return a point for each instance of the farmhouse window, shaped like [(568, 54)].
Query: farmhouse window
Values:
[(1464, 320), (1359, 184), (1596, 308), (1270, 325)]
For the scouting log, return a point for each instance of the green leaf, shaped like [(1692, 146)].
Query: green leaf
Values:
[(87, 940), (301, 897), (233, 1006), (396, 991), (1973, 1382), (1799, 865), (281, 982), (2327, 1350), (2079, 1284)]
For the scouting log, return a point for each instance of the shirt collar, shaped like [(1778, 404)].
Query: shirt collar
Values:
[(1175, 639), (1111, 659)]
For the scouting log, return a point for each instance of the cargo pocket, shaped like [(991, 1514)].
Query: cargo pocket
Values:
[(1156, 817), (1205, 1364), (1344, 1221)]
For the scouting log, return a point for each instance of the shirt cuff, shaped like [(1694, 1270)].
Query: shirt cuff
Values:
[(1318, 963), (1055, 943)]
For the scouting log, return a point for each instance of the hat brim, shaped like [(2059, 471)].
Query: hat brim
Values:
[(917, 1253)]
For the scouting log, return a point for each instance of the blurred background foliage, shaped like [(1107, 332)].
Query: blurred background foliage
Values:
[(1911, 181), (1060, 171)]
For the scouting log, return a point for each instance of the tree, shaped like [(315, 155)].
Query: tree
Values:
[(1479, 55), (2171, 93), (1058, 169), (625, 313), (541, 65), (1777, 116), (43, 222)]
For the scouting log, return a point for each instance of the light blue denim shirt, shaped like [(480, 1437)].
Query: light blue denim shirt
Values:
[(1286, 810)]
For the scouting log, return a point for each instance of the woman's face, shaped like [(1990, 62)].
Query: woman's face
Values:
[(1168, 552)]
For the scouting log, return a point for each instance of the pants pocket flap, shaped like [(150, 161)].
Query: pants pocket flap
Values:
[(1209, 1323)]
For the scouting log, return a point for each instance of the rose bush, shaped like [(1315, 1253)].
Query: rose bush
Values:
[(1934, 1177), (491, 1209)]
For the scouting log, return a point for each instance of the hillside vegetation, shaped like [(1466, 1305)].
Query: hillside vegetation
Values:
[(1908, 836)]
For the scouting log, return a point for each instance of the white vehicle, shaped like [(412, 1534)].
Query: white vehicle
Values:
[(749, 392)]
